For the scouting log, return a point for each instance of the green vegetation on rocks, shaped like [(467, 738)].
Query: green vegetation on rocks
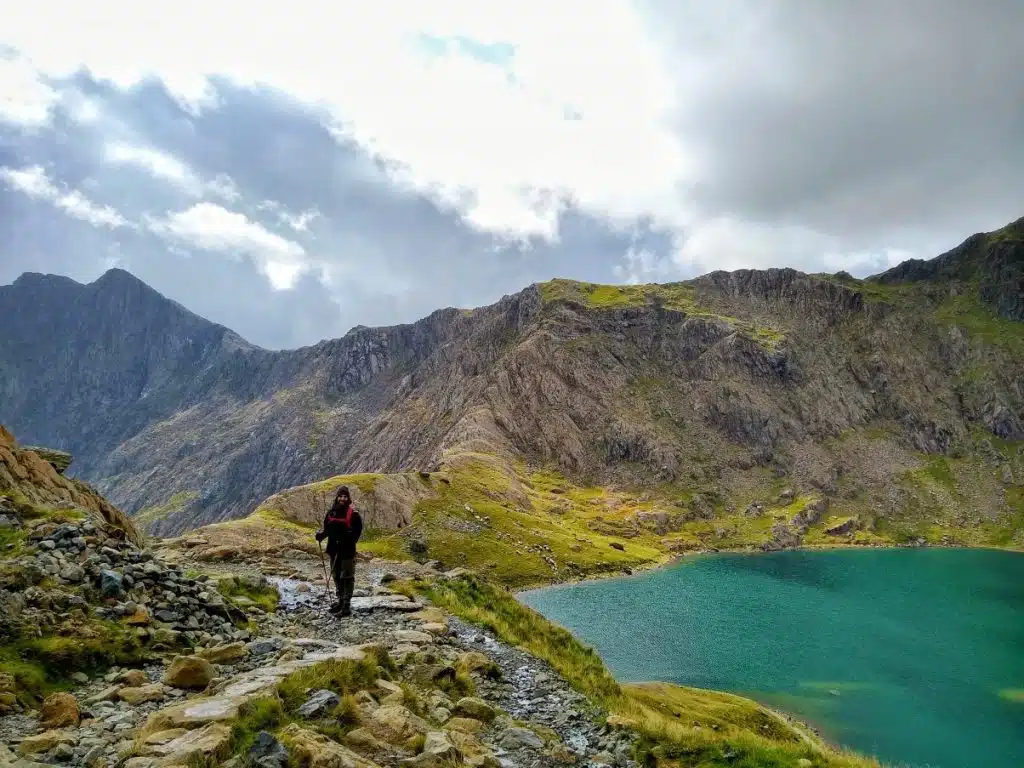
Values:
[(248, 591)]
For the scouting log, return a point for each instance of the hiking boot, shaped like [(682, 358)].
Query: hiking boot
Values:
[(335, 609)]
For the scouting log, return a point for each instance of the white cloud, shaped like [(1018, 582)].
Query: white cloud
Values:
[(499, 142), (163, 166), (224, 187), (598, 106), (25, 100), (213, 228), (297, 221), (156, 163), (729, 243), (640, 265), (34, 182)]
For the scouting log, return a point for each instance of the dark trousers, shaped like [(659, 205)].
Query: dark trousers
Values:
[(344, 572)]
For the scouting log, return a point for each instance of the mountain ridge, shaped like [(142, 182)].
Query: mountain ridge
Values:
[(614, 384)]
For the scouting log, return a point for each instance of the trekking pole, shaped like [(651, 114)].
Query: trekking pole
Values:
[(327, 579)]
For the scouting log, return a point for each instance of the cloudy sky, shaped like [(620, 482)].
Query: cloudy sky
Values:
[(293, 169)]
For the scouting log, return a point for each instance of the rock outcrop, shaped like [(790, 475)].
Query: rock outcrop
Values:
[(30, 476)]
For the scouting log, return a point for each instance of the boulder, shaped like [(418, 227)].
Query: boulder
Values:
[(267, 752), (438, 752), (473, 752), (387, 687), (162, 737), (134, 678), (196, 712), (313, 750), (44, 742), (225, 654), (141, 694), (59, 710), (478, 709), (72, 573), (515, 738), (209, 742), (395, 724), (111, 583), (319, 704), (192, 672)]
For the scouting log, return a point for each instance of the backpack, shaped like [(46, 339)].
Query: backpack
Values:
[(346, 520)]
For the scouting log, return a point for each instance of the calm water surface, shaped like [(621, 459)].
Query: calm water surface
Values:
[(916, 656)]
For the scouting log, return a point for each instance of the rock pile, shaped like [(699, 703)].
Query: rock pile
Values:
[(93, 566)]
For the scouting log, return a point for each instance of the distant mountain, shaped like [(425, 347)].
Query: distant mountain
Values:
[(716, 387)]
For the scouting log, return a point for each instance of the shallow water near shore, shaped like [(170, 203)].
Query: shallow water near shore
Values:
[(916, 656)]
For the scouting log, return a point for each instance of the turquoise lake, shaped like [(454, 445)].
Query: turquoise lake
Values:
[(915, 656)]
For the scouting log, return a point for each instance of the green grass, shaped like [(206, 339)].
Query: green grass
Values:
[(265, 597), (966, 311), (42, 664), (497, 609), (1012, 695), (263, 714), (483, 518), (274, 712), (677, 725), (173, 505), (680, 297), (341, 676)]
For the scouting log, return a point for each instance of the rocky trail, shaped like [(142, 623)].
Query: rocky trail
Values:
[(455, 694)]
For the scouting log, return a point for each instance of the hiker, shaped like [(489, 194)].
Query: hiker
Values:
[(342, 527)]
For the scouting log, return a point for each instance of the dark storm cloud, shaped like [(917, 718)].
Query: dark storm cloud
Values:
[(857, 119), (391, 256)]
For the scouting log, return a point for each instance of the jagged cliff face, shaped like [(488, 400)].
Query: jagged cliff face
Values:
[(25, 475), (706, 384)]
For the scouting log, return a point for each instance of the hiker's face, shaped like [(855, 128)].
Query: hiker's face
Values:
[(343, 497)]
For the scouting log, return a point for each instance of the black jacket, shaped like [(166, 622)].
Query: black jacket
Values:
[(341, 539)]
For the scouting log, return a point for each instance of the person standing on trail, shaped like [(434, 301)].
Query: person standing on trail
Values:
[(342, 528)]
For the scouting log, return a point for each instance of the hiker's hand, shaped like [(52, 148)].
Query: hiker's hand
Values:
[(320, 535)]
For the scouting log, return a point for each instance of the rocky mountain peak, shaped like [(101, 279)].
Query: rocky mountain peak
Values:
[(990, 263)]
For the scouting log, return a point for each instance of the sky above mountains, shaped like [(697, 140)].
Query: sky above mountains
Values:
[(294, 169)]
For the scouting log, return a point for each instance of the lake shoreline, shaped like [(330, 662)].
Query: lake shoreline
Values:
[(676, 559), (689, 609)]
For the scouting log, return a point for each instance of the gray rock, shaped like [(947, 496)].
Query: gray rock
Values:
[(267, 752), (319, 703), (63, 752), (111, 583), (264, 645), (93, 756), (514, 738), (72, 573)]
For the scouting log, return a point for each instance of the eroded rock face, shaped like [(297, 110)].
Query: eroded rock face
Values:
[(763, 360)]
